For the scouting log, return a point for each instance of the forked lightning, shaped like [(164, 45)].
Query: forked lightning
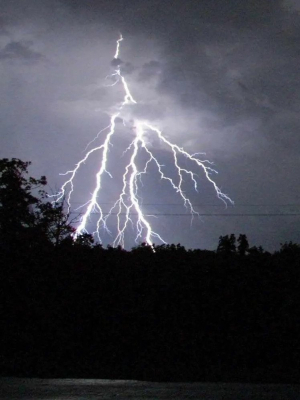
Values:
[(128, 207)]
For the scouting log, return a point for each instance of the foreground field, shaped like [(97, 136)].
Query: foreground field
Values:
[(74, 389)]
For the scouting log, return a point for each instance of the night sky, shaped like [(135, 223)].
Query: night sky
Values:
[(218, 77)]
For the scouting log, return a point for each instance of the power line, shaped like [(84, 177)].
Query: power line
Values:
[(201, 214), (209, 205)]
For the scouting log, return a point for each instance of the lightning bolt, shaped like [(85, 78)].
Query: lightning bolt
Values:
[(128, 203)]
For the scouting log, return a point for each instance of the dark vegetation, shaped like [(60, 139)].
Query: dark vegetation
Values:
[(70, 308)]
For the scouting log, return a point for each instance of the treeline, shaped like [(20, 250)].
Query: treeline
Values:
[(75, 309)]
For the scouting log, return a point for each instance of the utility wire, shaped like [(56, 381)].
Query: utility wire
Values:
[(202, 214), (209, 205)]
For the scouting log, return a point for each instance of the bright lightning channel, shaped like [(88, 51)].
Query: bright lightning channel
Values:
[(128, 203)]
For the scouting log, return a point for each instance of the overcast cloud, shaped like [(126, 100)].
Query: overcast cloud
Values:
[(219, 78)]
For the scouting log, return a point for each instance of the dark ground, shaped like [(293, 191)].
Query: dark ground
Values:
[(173, 315)]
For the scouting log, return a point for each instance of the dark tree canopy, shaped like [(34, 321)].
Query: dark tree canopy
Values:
[(227, 244), (17, 202), (72, 308), (26, 215)]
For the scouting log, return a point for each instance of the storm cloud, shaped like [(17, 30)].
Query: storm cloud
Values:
[(19, 50), (219, 78)]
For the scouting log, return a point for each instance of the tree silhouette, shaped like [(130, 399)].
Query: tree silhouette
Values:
[(69, 308), (26, 217), (227, 244), (17, 202), (243, 245), (53, 223)]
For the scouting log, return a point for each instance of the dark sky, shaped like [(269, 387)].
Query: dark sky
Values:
[(218, 77)]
